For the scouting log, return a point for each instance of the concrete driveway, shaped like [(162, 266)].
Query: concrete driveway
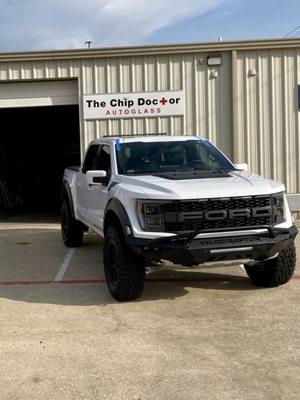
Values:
[(206, 334)]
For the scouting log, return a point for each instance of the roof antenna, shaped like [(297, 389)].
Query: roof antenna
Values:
[(88, 44)]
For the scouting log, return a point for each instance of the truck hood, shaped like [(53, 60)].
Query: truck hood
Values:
[(237, 184)]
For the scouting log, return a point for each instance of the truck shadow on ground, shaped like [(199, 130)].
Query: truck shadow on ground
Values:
[(45, 252), (156, 288)]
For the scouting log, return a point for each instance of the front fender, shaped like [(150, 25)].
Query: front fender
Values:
[(116, 207)]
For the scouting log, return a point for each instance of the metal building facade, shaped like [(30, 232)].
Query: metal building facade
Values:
[(266, 113), (253, 117)]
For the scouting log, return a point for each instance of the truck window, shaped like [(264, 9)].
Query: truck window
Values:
[(103, 160), (154, 157), (90, 158)]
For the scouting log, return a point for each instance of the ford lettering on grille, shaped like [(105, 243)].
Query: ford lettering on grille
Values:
[(227, 214)]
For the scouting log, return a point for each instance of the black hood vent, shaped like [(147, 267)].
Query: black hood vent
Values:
[(193, 174)]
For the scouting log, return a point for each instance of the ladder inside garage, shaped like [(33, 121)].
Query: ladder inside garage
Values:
[(5, 197)]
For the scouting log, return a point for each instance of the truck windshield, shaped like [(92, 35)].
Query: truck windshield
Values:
[(138, 158)]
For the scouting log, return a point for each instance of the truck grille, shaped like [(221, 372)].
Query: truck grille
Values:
[(215, 214)]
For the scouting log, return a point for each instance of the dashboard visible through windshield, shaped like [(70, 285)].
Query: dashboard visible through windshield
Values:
[(137, 158)]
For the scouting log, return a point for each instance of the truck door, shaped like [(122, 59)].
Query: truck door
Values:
[(98, 194), (83, 189)]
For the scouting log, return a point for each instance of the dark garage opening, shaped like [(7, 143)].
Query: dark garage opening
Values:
[(36, 144)]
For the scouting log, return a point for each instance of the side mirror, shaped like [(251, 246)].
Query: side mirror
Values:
[(96, 178), (242, 167)]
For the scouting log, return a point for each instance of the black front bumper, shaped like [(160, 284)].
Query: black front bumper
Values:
[(185, 249)]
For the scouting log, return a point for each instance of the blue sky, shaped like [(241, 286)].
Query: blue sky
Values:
[(54, 24)]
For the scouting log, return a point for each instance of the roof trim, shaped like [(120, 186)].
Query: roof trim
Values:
[(149, 50), (146, 138)]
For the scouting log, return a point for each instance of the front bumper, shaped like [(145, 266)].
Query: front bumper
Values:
[(185, 249)]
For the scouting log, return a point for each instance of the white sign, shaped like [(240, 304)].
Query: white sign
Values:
[(133, 105)]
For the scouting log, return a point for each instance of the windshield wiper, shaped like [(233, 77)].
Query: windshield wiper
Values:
[(144, 172)]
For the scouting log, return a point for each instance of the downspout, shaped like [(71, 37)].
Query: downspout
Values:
[(235, 121)]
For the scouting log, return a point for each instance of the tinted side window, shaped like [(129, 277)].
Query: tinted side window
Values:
[(103, 160), (90, 158)]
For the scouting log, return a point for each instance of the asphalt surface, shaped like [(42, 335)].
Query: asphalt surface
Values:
[(201, 334)]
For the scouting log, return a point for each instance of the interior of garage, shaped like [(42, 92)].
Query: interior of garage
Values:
[(36, 144)]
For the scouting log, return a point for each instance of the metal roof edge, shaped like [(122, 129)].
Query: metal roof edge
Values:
[(131, 51)]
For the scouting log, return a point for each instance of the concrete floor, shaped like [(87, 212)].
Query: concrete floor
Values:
[(205, 334)]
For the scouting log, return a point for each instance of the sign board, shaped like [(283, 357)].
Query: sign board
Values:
[(133, 105)]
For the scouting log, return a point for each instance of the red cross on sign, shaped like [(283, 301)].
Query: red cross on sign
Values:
[(163, 101)]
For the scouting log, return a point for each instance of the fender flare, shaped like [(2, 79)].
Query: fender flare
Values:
[(67, 193), (119, 210)]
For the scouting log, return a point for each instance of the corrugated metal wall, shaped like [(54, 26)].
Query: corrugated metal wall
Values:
[(252, 119), (207, 107), (204, 113), (267, 114)]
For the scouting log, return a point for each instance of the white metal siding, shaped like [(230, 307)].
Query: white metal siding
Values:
[(33, 94)]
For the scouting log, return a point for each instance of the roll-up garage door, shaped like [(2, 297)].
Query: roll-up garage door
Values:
[(36, 94)]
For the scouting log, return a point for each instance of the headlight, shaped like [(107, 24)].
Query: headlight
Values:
[(279, 204), (151, 215)]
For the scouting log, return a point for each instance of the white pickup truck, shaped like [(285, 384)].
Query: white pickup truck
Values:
[(176, 198)]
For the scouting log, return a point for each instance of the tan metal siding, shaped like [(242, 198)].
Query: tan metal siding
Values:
[(207, 110), (254, 119), (267, 114)]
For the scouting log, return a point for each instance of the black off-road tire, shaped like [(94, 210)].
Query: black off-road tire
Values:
[(124, 269), (71, 229), (275, 272)]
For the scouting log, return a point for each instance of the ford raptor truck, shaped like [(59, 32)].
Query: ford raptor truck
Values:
[(176, 198)]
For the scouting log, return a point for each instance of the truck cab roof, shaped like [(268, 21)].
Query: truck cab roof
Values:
[(145, 138)]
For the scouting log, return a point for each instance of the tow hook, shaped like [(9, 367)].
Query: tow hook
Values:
[(153, 265)]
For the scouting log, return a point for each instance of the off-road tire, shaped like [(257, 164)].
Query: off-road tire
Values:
[(274, 272), (71, 229), (124, 269)]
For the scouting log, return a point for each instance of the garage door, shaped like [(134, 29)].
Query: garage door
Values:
[(35, 94)]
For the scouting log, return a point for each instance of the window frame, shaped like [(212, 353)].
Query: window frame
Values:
[(84, 170), (110, 158)]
